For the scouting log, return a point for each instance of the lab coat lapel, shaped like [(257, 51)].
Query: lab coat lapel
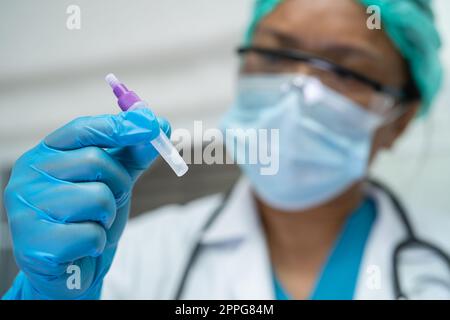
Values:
[(375, 276), (252, 267), (247, 268)]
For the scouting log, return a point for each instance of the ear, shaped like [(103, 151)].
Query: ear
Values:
[(398, 127)]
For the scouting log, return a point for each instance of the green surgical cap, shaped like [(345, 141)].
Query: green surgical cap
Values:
[(410, 25)]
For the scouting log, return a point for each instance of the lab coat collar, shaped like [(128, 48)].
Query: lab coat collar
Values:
[(247, 270), (375, 280)]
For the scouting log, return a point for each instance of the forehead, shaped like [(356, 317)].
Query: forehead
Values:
[(335, 28), (343, 19)]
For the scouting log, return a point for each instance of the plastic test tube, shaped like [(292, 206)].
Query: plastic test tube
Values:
[(129, 100)]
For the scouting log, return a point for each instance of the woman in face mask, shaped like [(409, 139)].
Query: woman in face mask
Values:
[(337, 92)]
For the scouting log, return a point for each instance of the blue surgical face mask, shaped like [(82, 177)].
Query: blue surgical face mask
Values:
[(324, 138)]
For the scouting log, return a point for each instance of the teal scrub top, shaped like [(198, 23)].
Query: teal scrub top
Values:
[(337, 280)]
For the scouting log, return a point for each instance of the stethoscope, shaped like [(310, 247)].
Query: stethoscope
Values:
[(410, 241)]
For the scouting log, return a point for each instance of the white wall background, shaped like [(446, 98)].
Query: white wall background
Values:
[(179, 55)]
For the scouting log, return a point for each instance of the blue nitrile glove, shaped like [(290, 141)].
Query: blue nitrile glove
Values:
[(68, 201)]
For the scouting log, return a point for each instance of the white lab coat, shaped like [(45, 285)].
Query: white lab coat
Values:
[(234, 261)]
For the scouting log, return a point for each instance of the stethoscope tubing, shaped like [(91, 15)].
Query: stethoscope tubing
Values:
[(410, 240)]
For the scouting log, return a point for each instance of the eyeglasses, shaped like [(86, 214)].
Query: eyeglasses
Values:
[(355, 86)]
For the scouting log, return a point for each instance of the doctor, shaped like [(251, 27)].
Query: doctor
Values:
[(318, 229)]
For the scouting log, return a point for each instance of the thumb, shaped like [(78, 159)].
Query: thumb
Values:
[(138, 158), (106, 131)]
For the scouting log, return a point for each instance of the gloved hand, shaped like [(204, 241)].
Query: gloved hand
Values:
[(68, 201)]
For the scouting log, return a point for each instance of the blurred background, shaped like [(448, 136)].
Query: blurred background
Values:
[(178, 55)]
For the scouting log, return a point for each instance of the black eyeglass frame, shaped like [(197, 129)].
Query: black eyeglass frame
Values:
[(408, 93)]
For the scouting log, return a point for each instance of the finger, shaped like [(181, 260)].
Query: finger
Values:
[(139, 157), (114, 233), (64, 202), (90, 164), (40, 240), (78, 240), (165, 126), (106, 131), (132, 158)]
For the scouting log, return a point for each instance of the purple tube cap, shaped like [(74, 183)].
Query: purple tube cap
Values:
[(125, 98)]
